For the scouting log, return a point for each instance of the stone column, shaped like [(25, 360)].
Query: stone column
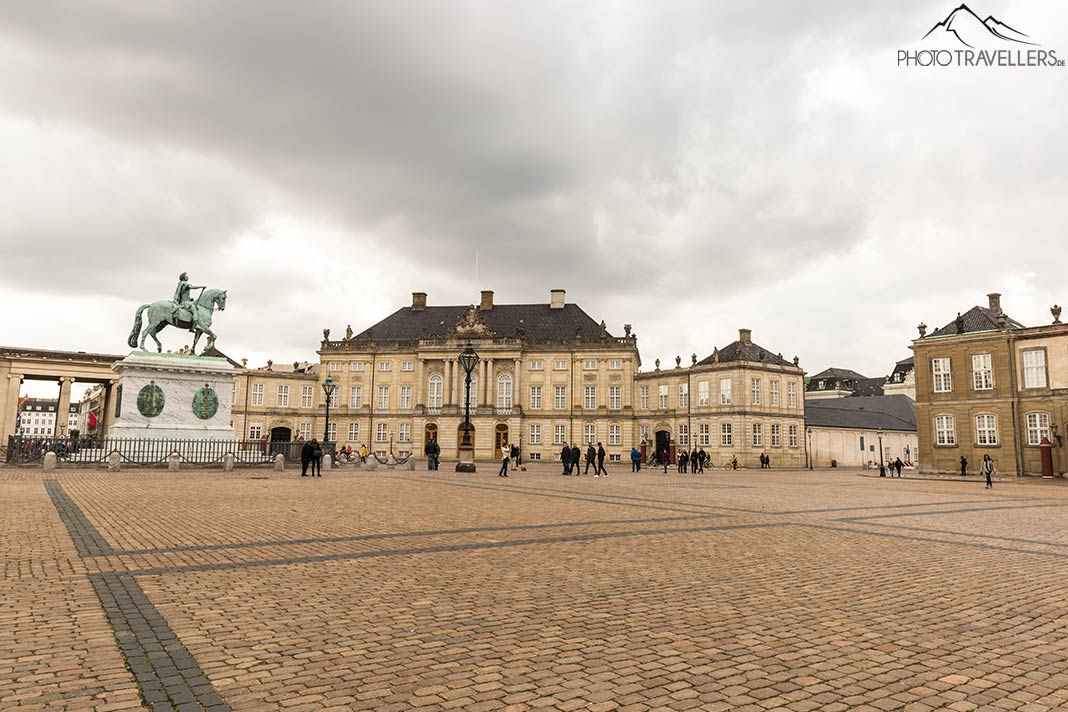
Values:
[(63, 406), (111, 402), (9, 405), (491, 401), (517, 384), (419, 399), (446, 385)]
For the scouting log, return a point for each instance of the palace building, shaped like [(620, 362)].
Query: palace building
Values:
[(548, 374)]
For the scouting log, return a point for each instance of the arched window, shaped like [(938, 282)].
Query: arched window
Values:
[(433, 399), (986, 429), (945, 430), (1037, 428), (504, 391), (472, 398)]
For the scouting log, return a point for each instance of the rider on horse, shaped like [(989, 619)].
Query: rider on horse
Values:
[(183, 303)]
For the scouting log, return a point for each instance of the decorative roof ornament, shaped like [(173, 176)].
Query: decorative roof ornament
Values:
[(348, 333), (959, 322), (796, 360), (326, 334), (626, 329), (658, 364), (715, 355), (693, 359), (922, 329), (1055, 310), (470, 322), (678, 362)]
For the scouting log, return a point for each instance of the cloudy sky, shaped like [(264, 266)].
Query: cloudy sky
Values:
[(686, 167)]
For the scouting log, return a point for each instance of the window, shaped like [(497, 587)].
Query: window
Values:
[(1034, 363), (589, 397), (504, 391), (615, 435), (1037, 428), (724, 391), (755, 391), (589, 365), (255, 431), (535, 366), (704, 435), (645, 397), (356, 366), (941, 376), (589, 431), (381, 433), (306, 397), (434, 391), (535, 434), (773, 394), (257, 394), (986, 429), (726, 434), (407, 366), (684, 395), (792, 430), (384, 366), (702, 393), (283, 396), (383, 397), (354, 432), (758, 434), (404, 433), (560, 397), (559, 433), (945, 430), (684, 434), (663, 396), (335, 365), (331, 432), (405, 396), (615, 364), (615, 397), (472, 397), (982, 372), (644, 432), (533, 455), (559, 365), (535, 397), (791, 394), (356, 396), (776, 435)]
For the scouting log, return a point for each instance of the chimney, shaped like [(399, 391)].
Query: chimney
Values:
[(995, 302), (745, 336), (418, 301), (487, 300), (556, 298)]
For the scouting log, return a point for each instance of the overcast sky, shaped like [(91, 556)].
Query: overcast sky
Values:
[(686, 167)]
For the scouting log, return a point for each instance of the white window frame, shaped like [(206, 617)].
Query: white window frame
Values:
[(356, 366), (941, 375), (385, 366), (615, 434), (383, 398), (335, 397), (684, 434), (559, 365), (435, 391), (589, 364), (257, 394), (982, 372), (986, 429), (704, 435), (945, 430), (559, 397), (354, 432), (662, 396), (535, 433), (404, 433), (335, 365), (589, 397), (615, 397), (773, 393), (356, 396), (791, 394), (726, 435), (331, 432), (535, 397), (702, 393), (754, 391), (504, 391), (381, 433), (792, 435), (615, 364), (776, 435), (307, 397), (1037, 427), (758, 434), (684, 395), (589, 433), (405, 397), (535, 366), (1034, 368), (282, 396), (255, 430), (407, 365), (644, 395), (724, 391), (559, 434)]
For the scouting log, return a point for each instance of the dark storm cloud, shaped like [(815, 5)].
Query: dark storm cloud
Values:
[(704, 156)]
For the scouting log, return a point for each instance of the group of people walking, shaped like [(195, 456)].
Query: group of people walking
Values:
[(695, 460), (987, 468), (571, 456)]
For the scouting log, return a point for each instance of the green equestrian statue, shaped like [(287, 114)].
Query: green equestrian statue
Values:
[(183, 312)]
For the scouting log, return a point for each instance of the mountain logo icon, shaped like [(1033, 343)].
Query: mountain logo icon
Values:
[(971, 31)]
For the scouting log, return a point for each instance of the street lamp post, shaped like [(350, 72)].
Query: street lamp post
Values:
[(882, 467), (328, 388), (468, 360), (808, 450)]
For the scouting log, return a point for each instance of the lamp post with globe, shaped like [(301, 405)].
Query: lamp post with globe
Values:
[(468, 360)]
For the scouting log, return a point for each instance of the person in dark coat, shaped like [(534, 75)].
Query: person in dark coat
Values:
[(963, 466), (600, 462), (576, 456), (683, 459), (693, 461), (591, 459), (664, 460), (565, 458), (306, 455), (317, 458), (701, 457), (635, 460), (898, 464)]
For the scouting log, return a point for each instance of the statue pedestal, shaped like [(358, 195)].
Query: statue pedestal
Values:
[(174, 397), (467, 459)]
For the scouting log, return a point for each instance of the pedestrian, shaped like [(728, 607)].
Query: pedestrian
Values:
[(306, 454), (681, 463), (565, 458), (515, 457), (693, 461), (591, 459), (701, 457), (897, 466), (734, 462), (506, 454), (600, 461), (428, 450), (963, 466), (664, 459), (576, 456), (363, 453), (635, 460), (317, 458), (988, 468)]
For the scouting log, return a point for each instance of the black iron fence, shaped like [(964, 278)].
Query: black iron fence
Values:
[(140, 451)]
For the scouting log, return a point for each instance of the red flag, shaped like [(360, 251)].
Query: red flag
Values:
[(92, 419)]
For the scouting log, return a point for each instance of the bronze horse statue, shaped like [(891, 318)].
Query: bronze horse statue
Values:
[(163, 313)]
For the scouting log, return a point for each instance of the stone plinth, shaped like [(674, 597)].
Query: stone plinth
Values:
[(174, 396)]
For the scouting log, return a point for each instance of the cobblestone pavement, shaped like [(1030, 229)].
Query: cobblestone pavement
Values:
[(401, 590)]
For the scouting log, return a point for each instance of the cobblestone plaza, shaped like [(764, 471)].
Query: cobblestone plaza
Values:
[(402, 590)]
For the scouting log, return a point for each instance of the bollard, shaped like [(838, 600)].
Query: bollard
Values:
[(279, 462), (50, 461), (228, 462), (372, 464), (327, 462), (410, 464), (173, 460), (115, 461)]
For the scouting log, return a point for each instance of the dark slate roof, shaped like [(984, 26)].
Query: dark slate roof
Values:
[(538, 321), (976, 319), (737, 351), (868, 387), (838, 373), (219, 354), (863, 412)]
